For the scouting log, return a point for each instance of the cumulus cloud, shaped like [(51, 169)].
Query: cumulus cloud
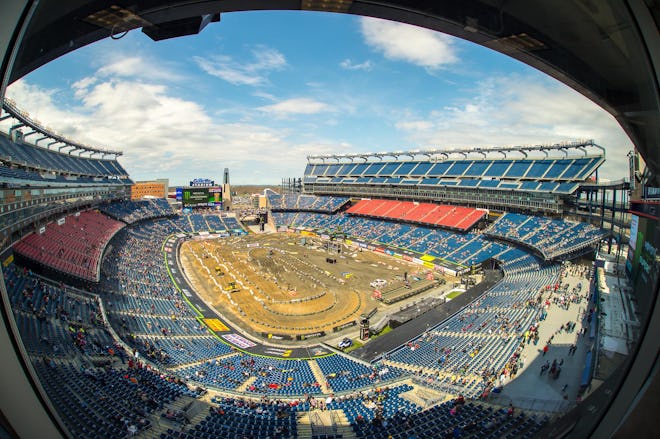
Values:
[(293, 106), (164, 135), (403, 42), (519, 110), (347, 64), (254, 73)]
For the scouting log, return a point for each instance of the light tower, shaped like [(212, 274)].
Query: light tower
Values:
[(226, 191)]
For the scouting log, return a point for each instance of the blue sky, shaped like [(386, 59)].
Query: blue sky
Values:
[(260, 91)]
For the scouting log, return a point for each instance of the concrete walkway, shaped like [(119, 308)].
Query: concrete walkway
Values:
[(531, 390)]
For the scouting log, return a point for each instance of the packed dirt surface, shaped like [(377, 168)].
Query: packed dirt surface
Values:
[(284, 283)]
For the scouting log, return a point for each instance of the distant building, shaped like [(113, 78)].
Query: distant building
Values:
[(259, 201), (155, 188)]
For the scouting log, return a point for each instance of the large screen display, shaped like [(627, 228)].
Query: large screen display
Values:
[(201, 196)]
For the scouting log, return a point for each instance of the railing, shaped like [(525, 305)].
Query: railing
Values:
[(319, 428)]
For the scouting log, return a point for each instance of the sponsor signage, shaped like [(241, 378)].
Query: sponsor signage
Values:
[(311, 335), (239, 341), (634, 226), (285, 353), (8, 261), (269, 335), (202, 182), (216, 325), (345, 325), (317, 351)]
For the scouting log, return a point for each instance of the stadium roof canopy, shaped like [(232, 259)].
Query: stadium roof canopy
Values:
[(565, 148), (605, 49), (24, 120)]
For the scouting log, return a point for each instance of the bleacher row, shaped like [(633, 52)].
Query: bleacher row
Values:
[(54, 161), (551, 237), (22, 177), (557, 175), (302, 202), (451, 217), (74, 247)]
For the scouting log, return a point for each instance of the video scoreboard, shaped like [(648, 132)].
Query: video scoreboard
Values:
[(201, 196)]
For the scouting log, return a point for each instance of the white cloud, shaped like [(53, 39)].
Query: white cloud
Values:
[(519, 110), (414, 125), (349, 65), (135, 66), (163, 135), (252, 73), (403, 42), (296, 106)]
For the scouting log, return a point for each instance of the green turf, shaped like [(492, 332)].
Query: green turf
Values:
[(454, 294), (356, 344)]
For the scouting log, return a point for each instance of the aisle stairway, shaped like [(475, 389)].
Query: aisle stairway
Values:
[(318, 374)]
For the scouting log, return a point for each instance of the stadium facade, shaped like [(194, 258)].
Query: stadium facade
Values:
[(525, 178)]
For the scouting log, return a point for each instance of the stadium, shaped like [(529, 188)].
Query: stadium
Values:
[(494, 292)]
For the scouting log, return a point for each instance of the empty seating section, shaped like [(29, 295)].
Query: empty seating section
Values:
[(198, 222), (342, 373), (53, 161), (106, 402), (446, 420), (283, 219), (175, 351), (361, 411), (143, 305), (267, 376), (551, 237), (203, 222), (215, 223), (73, 247), (133, 211), (235, 418), (556, 175), (232, 224), (14, 176), (465, 352), (50, 319), (64, 334), (453, 217), (302, 202)]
